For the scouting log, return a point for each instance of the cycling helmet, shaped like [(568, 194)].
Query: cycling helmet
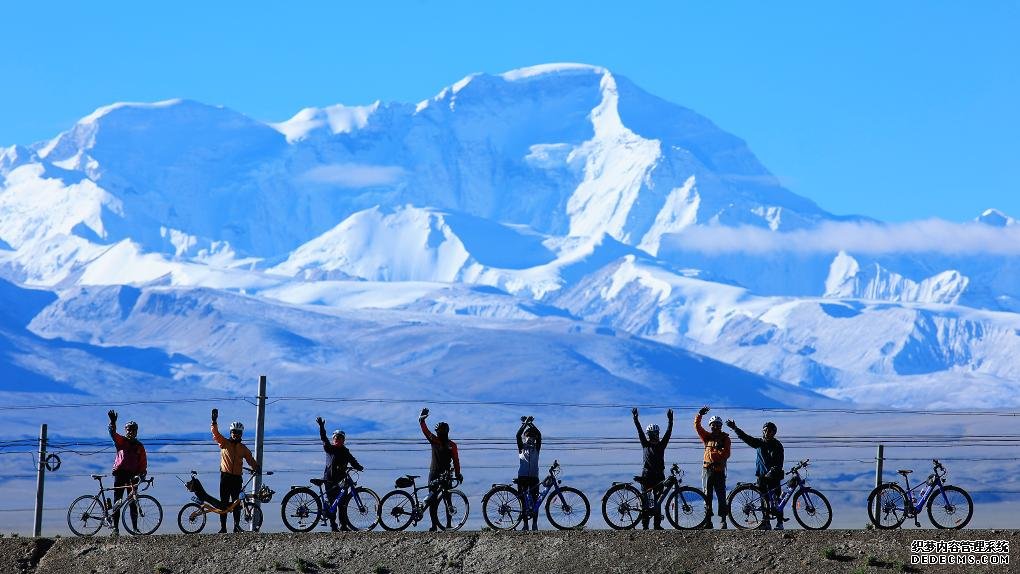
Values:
[(714, 419), (236, 426), (130, 425), (650, 429), (338, 433), (769, 425)]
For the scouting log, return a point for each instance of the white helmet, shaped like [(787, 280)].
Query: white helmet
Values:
[(339, 433), (236, 426), (650, 429), (714, 419)]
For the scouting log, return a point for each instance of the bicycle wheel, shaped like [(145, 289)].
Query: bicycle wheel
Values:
[(567, 509), (687, 508), (191, 519), (300, 509), (251, 517), (148, 515), (86, 515), (362, 509), (891, 503), (746, 507), (502, 508), (452, 510), (621, 507), (396, 510), (953, 511), (812, 510)]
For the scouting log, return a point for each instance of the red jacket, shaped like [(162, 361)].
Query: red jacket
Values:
[(130, 455)]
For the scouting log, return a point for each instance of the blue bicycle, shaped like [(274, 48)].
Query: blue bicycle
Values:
[(749, 509), (504, 507), (302, 508), (948, 506)]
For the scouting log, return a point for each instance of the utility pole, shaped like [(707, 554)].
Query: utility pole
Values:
[(879, 461), (260, 432), (40, 483)]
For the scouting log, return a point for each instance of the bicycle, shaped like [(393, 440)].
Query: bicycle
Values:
[(889, 504), (90, 512), (623, 505), (302, 508), (748, 509), (398, 509), (192, 517), (504, 507)]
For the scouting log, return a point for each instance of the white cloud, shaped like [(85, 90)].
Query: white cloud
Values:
[(926, 236), (354, 175)]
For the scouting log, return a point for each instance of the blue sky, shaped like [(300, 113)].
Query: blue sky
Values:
[(898, 110)]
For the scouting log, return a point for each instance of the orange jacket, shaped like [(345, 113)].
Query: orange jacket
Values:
[(232, 454), (717, 447)]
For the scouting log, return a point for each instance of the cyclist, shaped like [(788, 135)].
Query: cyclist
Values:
[(768, 464), (713, 472), (232, 454), (129, 465), (654, 469), (529, 443), (444, 454), (336, 469)]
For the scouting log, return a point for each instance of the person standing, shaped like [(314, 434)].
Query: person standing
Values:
[(529, 444), (233, 453), (444, 455), (768, 465), (338, 459), (653, 470), (713, 472), (129, 465)]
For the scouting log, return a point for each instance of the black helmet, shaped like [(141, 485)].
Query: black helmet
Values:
[(769, 425)]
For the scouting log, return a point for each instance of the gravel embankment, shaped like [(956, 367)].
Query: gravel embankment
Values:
[(674, 552)]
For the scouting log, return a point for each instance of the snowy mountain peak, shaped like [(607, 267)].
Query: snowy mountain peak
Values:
[(995, 218), (339, 119)]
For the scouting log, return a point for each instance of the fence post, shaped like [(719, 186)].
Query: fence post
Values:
[(260, 431), (879, 462), (40, 483)]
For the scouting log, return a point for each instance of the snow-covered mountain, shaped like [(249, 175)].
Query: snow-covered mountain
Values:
[(557, 191)]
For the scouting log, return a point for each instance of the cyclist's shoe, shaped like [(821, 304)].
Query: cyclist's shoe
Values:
[(115, 533), (766, 525), (708, 524), (237, 528), (433, 529), (722, 524), (223, 530), (779, 524)]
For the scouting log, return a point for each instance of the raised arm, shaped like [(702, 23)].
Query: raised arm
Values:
[(520, 434), (637, 424), (669, 426), (751, 441), (113, 428), (222, 442), (702, 433), (538, 437), (326, 446)]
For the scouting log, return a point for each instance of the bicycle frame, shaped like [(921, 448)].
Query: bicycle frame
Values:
[(649, 505), (532, 507), (244, 500), (131, 496), (348, 489), (421, 506), (933, 482)]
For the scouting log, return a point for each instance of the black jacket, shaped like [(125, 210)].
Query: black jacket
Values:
[(339, 459), (654, 454)]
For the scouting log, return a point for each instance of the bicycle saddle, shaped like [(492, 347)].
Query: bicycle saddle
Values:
[(317, 481), (97, 476), (904, 472)]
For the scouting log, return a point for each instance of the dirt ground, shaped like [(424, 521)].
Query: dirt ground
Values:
[(592, 551)]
